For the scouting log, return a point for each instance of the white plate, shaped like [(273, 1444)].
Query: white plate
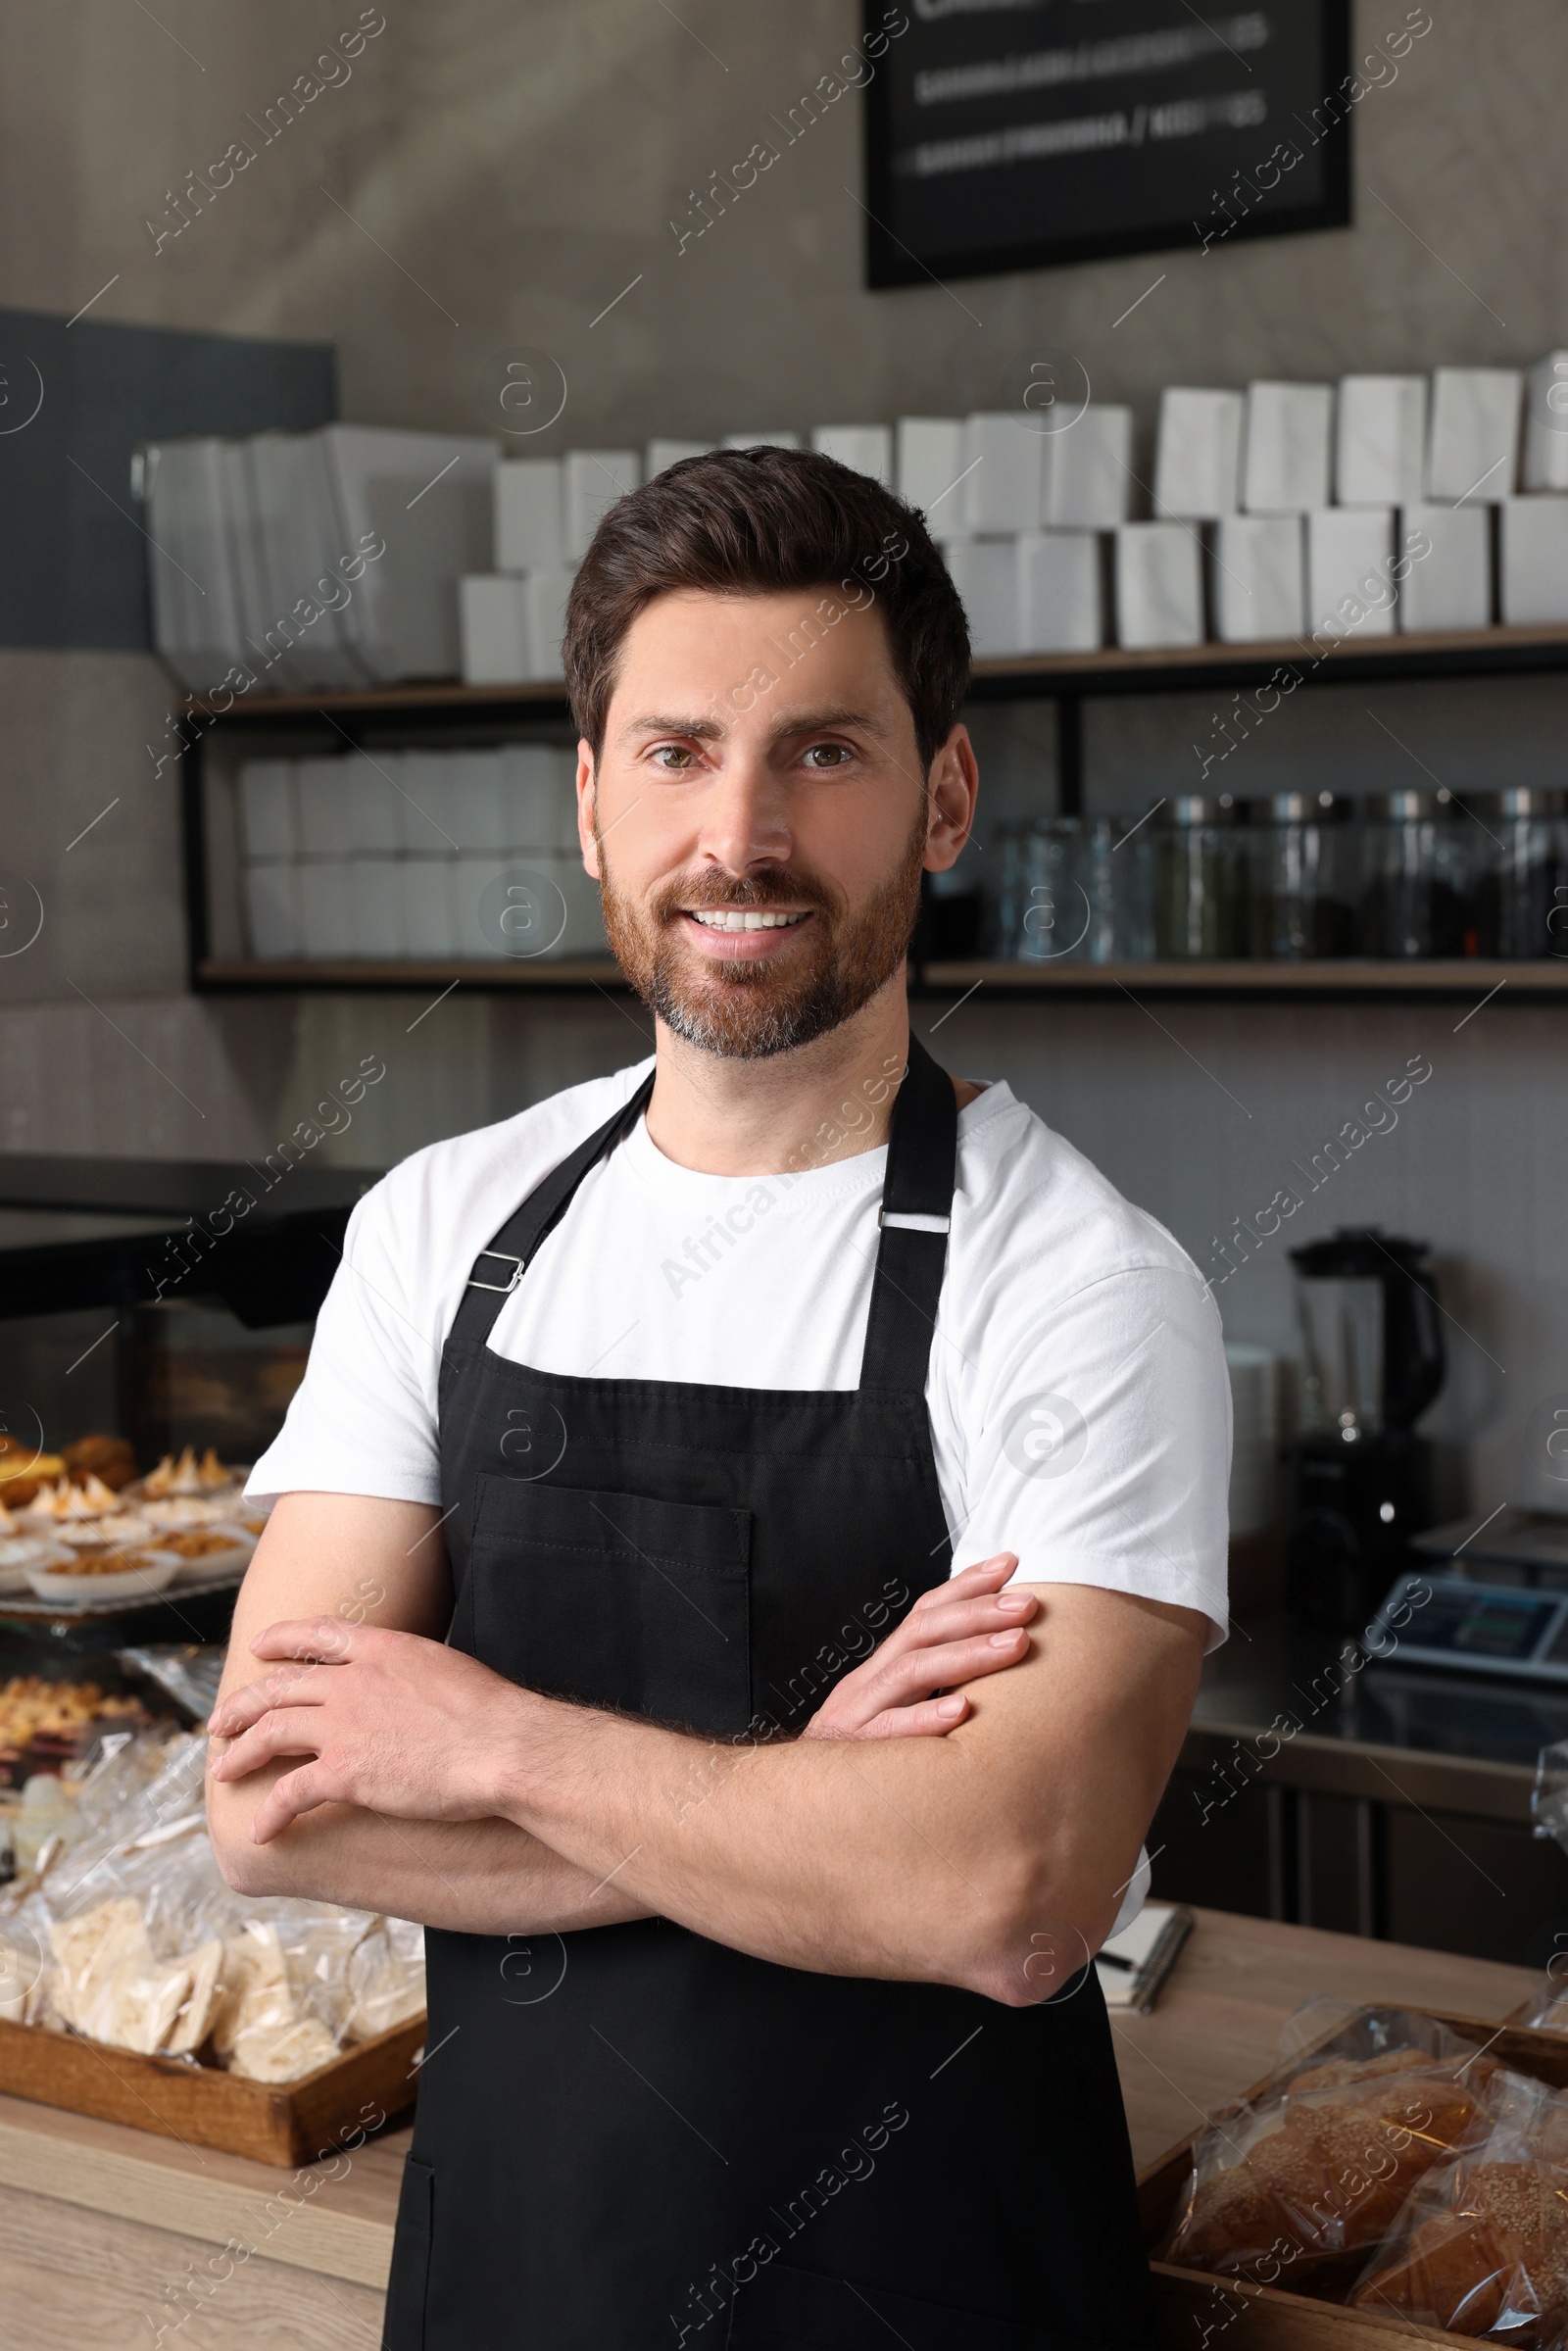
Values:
[(20, 1552), (130, 1584), (230, 1561)]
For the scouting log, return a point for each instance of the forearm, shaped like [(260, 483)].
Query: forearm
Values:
[(838, 1857), (484, 1877)]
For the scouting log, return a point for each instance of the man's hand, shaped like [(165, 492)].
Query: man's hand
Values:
[(388, 1721), (958, 1631), (414, 1730)]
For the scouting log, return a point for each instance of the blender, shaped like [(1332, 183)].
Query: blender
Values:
[(1361, 1478)]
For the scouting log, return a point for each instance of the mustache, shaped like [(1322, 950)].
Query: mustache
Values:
[(780, 888)]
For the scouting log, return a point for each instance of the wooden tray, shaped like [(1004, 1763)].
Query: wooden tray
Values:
[(289, 2122), (1195, 2307)]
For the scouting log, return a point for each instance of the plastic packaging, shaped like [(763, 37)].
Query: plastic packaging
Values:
[(1296, 2187), (1482, 2245), (141, 1944)]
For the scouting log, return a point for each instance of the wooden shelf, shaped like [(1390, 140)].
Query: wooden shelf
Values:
[(1470, 979), (1467, 977), (542, 972), (1116, 670)]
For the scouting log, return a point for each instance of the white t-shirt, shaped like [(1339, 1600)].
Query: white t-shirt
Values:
[(1077, 1391)]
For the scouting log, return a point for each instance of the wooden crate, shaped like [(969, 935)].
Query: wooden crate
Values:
[(1196, 2309), (289, 2122)]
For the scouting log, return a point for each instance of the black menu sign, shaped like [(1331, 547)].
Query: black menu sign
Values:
[(1014, 134)]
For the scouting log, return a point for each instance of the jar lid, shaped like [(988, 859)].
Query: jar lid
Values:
[(1200, 807), (1407, 807), (1299, 807), (1519, 800)]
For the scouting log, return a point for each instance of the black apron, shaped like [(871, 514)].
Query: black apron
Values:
[(631, 2136)]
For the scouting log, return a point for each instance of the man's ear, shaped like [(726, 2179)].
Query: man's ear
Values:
[(953, 785), (587, 786)]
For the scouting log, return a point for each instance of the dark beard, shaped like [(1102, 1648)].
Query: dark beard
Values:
[(748, 1012)]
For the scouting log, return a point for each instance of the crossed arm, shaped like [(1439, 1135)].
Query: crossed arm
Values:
[(981, 1839)]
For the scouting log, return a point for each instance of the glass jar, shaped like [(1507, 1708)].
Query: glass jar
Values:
[(1415, 872), (1118, 878), (1523, 878), (1300, 878), (1200, 880), (1053, 906)]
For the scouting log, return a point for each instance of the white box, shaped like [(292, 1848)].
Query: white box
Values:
[(1001, 492), (472, 877), (929, 459), (1290, 431), (1474, 450), (1197, 454), (863, 448), (426, 926), (268, 826), (1350, 553), (662, 454), (428, 501), (1535, 560), (583, 933), (594, 479), (984, 572), (1059, 592), (375, 809), (761, 440), (375, 908), (1160, 585), (1451, 587), (1545, 466), (476, 801), (529, 516), (493, 609), (423, 783), (325, 915), (538, 799), (1380, 440), (321, 789), (545, 595), (1258, 577), (273, 912), (1085, 472)]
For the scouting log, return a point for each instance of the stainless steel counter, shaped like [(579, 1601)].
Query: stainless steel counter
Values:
[(1327, 1788)]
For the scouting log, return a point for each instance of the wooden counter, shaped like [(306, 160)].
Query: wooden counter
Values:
[(102, 2230)]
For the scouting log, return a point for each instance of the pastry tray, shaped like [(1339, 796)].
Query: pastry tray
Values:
[(290, 2122), (1196, 2308)]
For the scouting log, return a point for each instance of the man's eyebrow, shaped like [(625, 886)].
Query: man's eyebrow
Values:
[(657, 723), (811, 722)]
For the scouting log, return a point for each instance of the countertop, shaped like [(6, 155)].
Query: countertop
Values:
[(101, 2226)]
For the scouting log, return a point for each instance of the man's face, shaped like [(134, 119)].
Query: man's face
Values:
[(759, 818)]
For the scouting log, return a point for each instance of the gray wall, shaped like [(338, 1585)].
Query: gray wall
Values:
[(511, 169)]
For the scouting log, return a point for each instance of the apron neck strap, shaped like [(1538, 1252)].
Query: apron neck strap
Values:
[(498, 1269), (912, 1253), (916, 1211)]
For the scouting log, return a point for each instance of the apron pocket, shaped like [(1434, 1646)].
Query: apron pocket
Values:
[(799, 2310), (616, 1600), (411, 2259)]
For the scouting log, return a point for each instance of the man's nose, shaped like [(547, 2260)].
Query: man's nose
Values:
[(745, 820)]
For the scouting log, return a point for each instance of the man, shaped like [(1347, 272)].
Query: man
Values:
[(759, 2004)]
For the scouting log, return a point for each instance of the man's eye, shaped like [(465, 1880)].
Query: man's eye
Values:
[(824, 756), (673, 756)]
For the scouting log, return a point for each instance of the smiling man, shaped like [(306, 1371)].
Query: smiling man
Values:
[(609, 1620)]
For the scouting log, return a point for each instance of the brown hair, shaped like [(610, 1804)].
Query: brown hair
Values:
[(752, 522)]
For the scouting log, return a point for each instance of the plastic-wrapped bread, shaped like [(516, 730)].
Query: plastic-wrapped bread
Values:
[(1482, 2249), (1325, 2172), (1324, 2157)]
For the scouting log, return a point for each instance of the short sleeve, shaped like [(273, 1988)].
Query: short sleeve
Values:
[(364, 1418), (1100, 1448)]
